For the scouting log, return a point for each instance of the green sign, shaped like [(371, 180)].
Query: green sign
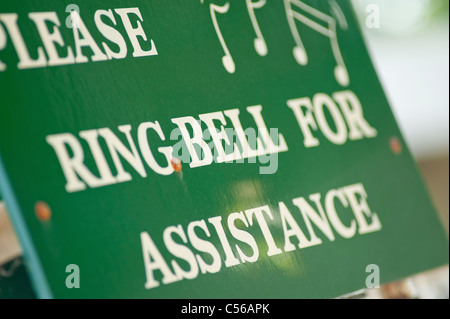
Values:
[(172, 149), (15, 281)]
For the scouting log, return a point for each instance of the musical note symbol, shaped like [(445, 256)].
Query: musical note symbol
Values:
[(227, 59), (259, 43), (336, 11), (299, 52)]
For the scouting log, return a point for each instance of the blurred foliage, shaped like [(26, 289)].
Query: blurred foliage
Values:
[(439, 9)]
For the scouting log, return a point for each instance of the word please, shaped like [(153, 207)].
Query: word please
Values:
[(202, 247), (48, 24)]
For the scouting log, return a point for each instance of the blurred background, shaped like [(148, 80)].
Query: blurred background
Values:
[(410, 50), (409, 44)]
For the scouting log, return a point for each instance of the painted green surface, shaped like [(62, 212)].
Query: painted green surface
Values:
[(15, 281), (98, 229)]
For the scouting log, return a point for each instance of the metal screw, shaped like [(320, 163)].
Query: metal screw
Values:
[(42, 211), (176, 164), (395, 145)]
